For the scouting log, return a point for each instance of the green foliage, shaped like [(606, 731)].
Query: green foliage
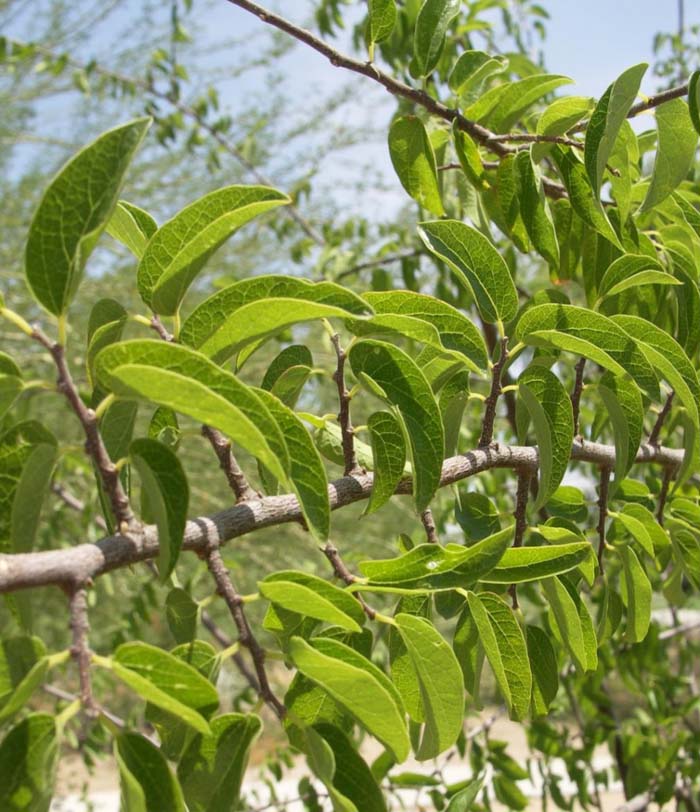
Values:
[(543, 331)]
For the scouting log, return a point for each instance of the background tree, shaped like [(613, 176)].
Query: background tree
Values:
[(548, 296)]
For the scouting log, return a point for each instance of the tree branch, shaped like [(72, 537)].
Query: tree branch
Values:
[(83, 561), (228, 592), (347, 432), (524, 476), (480, 134), (80, 650), (494, 394), (341, 571), (602, 513), (94, 444), (576, 394), (429, 523), (229, 465), (661, 419), (378, 262)]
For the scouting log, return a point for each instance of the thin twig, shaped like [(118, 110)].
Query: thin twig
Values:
[(602, 513), (346, 429), (429, 523), (94, 444), (661, 419), (576, 394), (494, 394), (663, 493), (229, 465), (233, 600), (159, 327), (80, 650), (341, 571), (480, 134), (378, 262), (521, 495)]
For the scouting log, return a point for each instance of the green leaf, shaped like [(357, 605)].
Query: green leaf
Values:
[(431, 25), (311, 596), (694, 99), (566, 618), (534, 208), (187, 382), (675, 152), (606, 120), (8, 365), (669, 359), (637, 530), (329, 441), (469, 652), (456, 332), (502, 106), (476, 514), (32, 487), (11, 387), (165, 485), (414, 162), (549, 406), (469, 157), (352, 777), (476, 264), (166, 681), (180, 248), (453, 400), (18, 655), (145, 777), (521, 564), (589, 334), (431, 567), (105, 326), (25, 688), (182, 614), (403, 673), (474, 67), (28, 759), (287, 374), (568, 502), (462, 801), (584, 201), (307, 473), (256, 308), (440, 680), (403, 385), (321, 759), (212, 768), (73, 213), (631, 270), (506, 651), (624, 405), (656, 533), (636, 594), (131, 226), (557, 119), (382, 19), (358, 685), (545, 672), (165, 428), (389, 457)]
